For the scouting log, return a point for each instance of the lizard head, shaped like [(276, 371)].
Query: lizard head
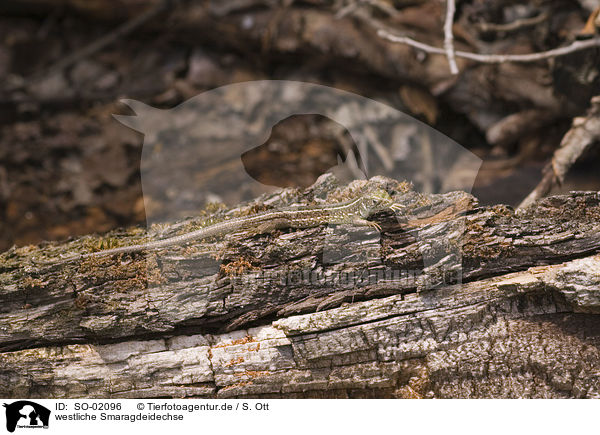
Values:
[(375, 201)]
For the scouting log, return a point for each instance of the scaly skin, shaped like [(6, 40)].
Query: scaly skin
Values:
[(349, 212)]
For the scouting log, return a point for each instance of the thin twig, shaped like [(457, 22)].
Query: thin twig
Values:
[(515, 25), (449, 37), (384, 7), (495, 58), (123, 30), (349, 8), (376, 4)]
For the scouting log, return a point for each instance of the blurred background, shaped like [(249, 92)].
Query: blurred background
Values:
[(68, 168)]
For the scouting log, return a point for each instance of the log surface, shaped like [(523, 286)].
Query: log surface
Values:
[(238, 317)]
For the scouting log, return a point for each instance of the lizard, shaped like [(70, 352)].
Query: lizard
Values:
[(354, 211)]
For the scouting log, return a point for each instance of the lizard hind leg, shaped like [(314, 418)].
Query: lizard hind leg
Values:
[(364, 222), (275, 224)]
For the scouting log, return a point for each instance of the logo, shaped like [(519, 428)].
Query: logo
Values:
[(197, 153), (26, 414)]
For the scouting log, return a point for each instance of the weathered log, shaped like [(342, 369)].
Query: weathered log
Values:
[(521, 320)]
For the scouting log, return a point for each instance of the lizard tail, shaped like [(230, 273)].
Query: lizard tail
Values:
[(194, 235)]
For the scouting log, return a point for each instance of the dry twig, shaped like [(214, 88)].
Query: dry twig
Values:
[(449, 37), (376, 4), (494, 58), (515, 25), (584, 132)]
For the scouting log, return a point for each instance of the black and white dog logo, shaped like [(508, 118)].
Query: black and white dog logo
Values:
[(26, 414)]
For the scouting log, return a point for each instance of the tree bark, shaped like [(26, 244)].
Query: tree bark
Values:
[(238, 317)]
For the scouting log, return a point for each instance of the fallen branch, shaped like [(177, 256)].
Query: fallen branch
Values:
[(526, 314), (584, 133), (494, 58)]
